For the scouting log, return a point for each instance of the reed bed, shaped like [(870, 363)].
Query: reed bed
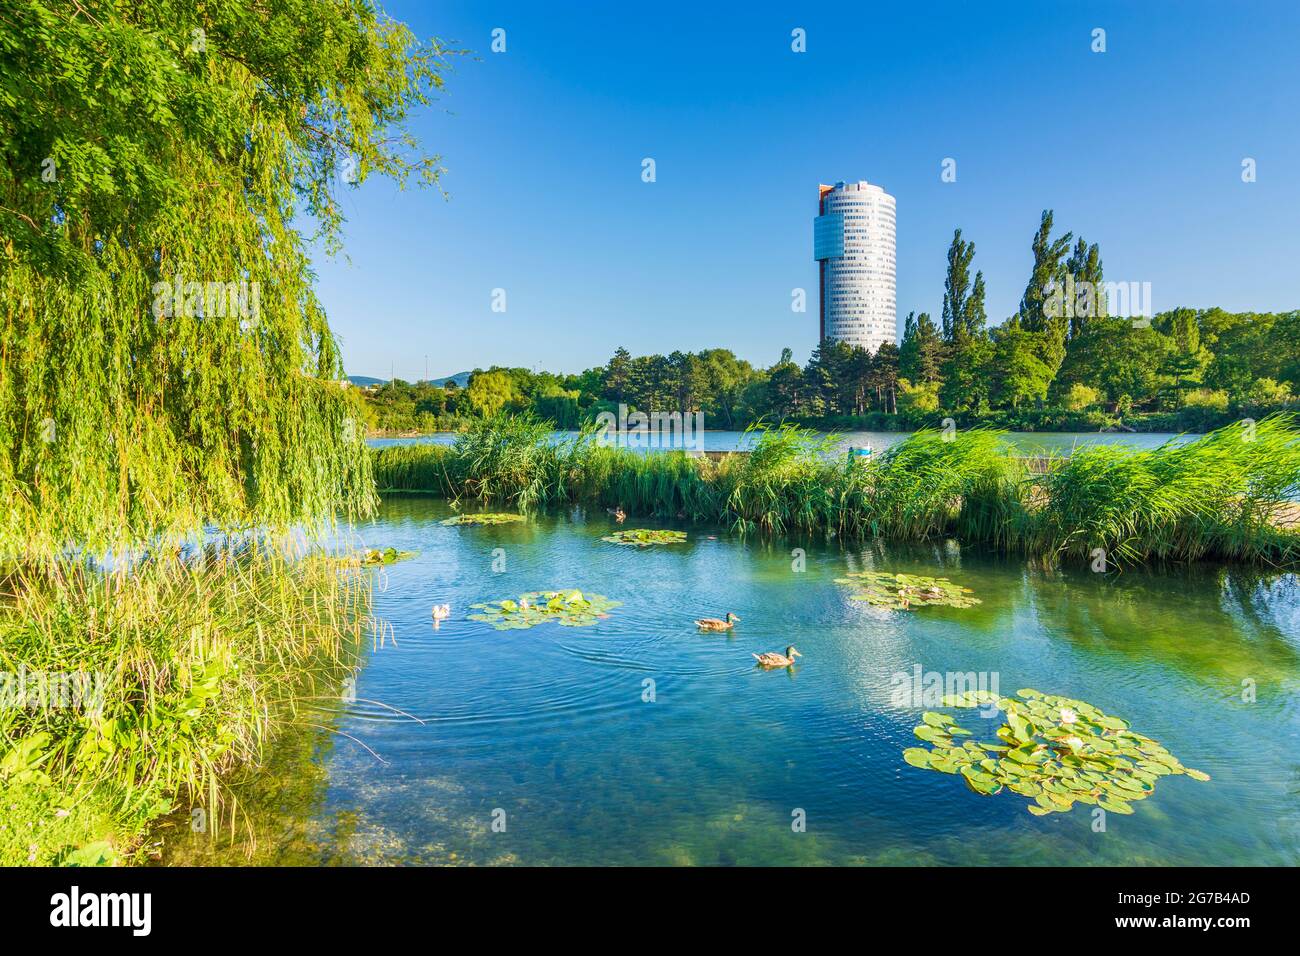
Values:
[(1225, 495), (182, 666)]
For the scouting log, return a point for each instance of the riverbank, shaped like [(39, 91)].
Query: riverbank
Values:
[(1226, 495), (132, 692)]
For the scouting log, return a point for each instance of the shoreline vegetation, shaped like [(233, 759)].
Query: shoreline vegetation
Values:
[(1229, 495), (135, 691), (174, 439), (1185, 370)]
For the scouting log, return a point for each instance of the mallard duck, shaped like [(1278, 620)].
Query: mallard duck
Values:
[(717, 624), (441, 612), (773, 659)]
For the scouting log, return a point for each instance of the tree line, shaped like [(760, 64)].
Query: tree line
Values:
[(1061, 361)]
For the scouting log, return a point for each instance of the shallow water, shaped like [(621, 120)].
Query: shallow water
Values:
[(549, 730)]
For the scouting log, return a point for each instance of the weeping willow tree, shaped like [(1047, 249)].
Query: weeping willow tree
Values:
[(165, 363), (166, 369)]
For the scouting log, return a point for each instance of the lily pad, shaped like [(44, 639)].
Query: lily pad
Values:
[(918, 757), (487, 518), (644, 537), (568, 607), (1061, 752), (905, 592), (385, 556)]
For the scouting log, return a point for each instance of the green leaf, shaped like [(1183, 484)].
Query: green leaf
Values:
[(918, 757)]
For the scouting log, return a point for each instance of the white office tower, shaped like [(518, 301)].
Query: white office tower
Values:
[(853, 243)]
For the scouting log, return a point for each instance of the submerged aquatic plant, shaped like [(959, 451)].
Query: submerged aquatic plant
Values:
[(487, 517), (1053, 750), (644, 537), (902, 592), (569, 607)]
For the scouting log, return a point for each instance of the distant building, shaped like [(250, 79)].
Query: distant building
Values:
[(853, 243)]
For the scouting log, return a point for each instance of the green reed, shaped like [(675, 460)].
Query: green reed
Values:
[(194, 660), (1228, 495)]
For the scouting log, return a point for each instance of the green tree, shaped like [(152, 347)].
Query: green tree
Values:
[(1116, 358), (145, 175), (884, 377), (967, 375), (957, 307), (1019, 374), (1046, 276), (490, 392), (785, 389), (1085, 271), (921, 353)]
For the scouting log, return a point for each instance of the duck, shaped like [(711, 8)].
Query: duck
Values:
[(619, 515), (773, 659), (441, 612), (717, 624)]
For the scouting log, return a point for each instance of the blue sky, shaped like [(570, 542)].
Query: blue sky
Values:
[(1138, 148)]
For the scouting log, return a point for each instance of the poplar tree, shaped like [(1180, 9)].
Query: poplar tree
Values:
[(956, 287), (1047, 272)]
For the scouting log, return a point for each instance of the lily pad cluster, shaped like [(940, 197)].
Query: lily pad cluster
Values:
[(644, 537), (1055, 751), (903, 592), (385, 556), (569, 607), (486, 517)]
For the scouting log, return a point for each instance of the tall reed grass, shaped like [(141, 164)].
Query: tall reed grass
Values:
[(189, 662), (1228, 495)]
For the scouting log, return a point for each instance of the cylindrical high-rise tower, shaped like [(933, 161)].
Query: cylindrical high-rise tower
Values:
[(853, 243)]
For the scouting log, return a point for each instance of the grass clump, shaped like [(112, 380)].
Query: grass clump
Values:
[(135, 688), (1229, 495)]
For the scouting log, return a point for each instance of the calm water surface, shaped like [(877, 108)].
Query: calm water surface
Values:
[(550, 727)]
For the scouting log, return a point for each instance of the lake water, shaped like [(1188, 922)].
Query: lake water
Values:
[(548, 731), (1029, 442)]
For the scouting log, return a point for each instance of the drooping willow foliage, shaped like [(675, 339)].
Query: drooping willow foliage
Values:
[(154, 147)]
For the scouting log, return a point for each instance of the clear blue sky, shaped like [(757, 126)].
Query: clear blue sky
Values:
[(1138, 148)]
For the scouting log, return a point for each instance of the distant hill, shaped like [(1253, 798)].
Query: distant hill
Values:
[(460, 378)]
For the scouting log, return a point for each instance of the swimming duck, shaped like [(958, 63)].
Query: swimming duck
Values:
[(441, 612), (618, 513), (773, 659), (717, 624)]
